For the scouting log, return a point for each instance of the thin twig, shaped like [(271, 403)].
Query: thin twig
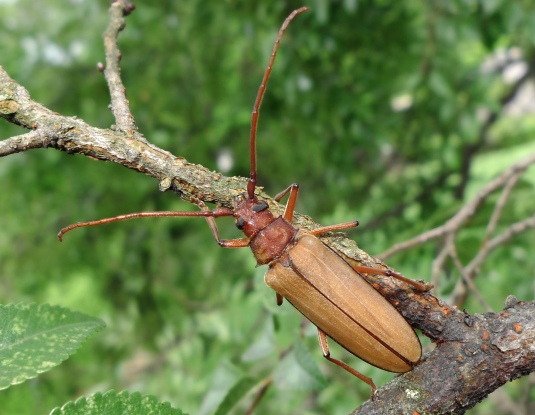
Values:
[(468, 280), (23, 142), (471, 269), (466, 212), (500, 204), (513, 230), (439, 261), (112, 72)]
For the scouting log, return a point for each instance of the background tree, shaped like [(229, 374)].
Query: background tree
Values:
[(397, 114)]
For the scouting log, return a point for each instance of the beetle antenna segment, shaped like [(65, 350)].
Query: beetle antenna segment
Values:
[(216, 213), (261, 90)]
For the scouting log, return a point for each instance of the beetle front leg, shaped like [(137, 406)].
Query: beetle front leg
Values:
[(322, 338), (225, 243), (293, 189)]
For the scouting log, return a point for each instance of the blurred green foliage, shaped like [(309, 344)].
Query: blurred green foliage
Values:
[(181, 312)]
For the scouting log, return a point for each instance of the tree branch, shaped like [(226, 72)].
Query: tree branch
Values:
[(475, 354), (468, 210), (112, 71), (23, 142)]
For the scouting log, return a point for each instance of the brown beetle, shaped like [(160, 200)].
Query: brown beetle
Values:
[(311, 276)]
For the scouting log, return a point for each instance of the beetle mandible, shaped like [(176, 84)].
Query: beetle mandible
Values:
[(316, 280)]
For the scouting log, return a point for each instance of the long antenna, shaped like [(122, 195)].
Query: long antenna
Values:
[(256, 109)]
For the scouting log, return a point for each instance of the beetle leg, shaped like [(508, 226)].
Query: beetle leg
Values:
[(389, 273), (225, 243), (322, 338), (280, 299), (332, 228), (290, 188), (293, 189)]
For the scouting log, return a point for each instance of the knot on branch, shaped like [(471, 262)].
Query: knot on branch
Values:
[(8, 106)]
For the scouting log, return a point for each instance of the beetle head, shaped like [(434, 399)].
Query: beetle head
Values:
[(251, 214)]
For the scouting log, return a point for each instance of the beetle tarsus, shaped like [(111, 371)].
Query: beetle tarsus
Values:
[(374, 393)]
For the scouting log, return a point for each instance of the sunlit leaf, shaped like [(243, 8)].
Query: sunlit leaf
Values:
[(112, 403), (35, 338)]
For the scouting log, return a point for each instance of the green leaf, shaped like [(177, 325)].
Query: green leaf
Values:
[(225, 375), (298, 371), (113, 403), (235, 394), (307, 363), (263, 345), (35, 338)]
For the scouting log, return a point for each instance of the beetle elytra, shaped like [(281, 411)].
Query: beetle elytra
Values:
[(316, 280)]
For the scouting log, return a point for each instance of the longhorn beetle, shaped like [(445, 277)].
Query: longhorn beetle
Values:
[(316, 280)]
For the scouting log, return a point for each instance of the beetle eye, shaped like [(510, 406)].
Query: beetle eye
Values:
[(262, 205), (240, 223)]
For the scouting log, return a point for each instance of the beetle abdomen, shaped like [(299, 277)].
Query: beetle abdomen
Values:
[(324, 287)]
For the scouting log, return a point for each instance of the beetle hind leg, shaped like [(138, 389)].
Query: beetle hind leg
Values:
[(420, 286), (322, 339)]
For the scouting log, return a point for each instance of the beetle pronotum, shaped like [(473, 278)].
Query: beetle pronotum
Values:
[(311, 276)]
